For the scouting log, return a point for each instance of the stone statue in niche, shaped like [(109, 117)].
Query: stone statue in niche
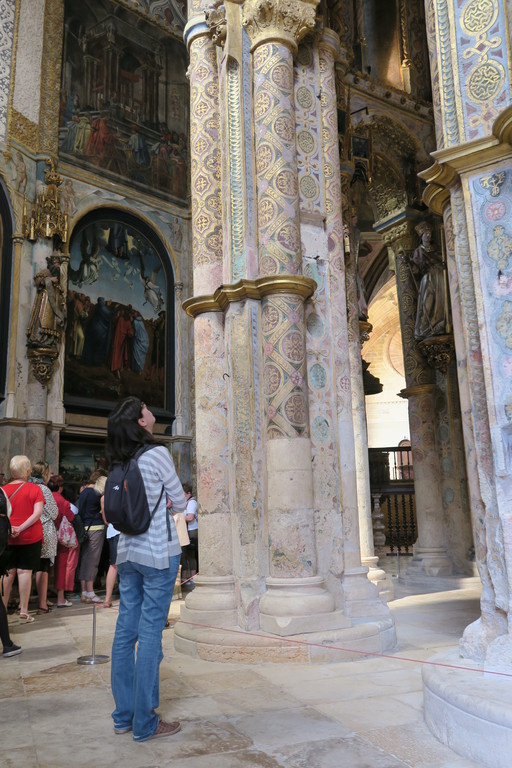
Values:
[(427, 264), (48, 315), (359, 249)]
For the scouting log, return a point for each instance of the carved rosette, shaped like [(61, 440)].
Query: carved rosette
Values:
[(287, 21), (43, 363), (439, 351)]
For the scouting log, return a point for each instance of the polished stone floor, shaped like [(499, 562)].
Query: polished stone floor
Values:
[(359, 714)]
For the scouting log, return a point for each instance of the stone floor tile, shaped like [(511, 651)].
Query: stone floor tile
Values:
[(415, 745), (17, 757), (362, 715), (200, 737), (285, 727), (227, 680), (265, 698), (336, 753)]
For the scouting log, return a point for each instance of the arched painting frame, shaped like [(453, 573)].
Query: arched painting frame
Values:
[(6, 256), (120, 336)]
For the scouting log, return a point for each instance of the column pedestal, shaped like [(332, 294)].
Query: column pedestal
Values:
[(295, 606)]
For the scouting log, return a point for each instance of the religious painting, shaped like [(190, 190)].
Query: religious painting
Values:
[(77, 459), (124, 99), (120, 330), (5, 286)]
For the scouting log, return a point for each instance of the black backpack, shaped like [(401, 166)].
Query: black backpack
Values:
[(125, 501), (5, 531)]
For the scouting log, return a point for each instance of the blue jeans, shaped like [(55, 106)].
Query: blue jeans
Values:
[(143, 609)]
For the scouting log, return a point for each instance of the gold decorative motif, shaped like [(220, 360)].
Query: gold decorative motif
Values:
[(285, 20), (493, 183), (47, 218), (50, 76), (439, 351), (23, 130), (249, 289)]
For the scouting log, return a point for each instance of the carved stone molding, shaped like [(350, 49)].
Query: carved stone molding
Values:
[(286, 21), (439, 351), (215, 16), (250, 289)]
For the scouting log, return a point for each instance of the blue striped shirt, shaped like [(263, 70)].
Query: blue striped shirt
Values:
[(153, 548)]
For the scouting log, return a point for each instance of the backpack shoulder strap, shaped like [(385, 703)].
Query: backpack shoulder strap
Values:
[(17, 489), (142, 450)]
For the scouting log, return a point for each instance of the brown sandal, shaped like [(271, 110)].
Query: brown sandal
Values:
[(107, 604)]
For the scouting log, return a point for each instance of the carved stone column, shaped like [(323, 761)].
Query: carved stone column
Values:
[(178, 426), (296, 600), (430, 551), (360, 597), (213, 599)]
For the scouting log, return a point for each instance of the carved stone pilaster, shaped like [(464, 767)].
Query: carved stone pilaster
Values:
[(286, 21)]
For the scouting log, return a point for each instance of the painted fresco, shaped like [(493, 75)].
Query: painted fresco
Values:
[(117, 305), (124, 99)]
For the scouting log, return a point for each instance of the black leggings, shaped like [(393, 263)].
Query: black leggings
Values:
[(4, 626)]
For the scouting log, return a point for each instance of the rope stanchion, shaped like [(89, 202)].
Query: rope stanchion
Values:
[(93, 658)]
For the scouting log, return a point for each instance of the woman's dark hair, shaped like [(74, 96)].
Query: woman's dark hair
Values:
[(124, 433), (187, 488), (55, 482)]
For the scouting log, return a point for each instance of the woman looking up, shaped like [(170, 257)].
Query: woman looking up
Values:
[(147, 566)]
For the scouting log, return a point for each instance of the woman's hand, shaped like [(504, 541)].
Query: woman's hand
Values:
[(15, 531)]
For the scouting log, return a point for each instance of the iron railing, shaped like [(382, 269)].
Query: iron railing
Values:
[(392, 484)]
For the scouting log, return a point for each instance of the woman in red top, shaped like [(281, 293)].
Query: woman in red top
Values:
[(24, 549), (66, 559)]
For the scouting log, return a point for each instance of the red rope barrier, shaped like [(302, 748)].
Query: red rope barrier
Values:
[(347, 650)]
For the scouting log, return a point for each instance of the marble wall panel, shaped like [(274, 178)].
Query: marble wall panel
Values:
[(6, 42)]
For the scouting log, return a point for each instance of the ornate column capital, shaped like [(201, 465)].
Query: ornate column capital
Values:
[(401, 237), (285, 21)]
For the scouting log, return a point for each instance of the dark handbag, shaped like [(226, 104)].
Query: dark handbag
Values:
[(78, 525)]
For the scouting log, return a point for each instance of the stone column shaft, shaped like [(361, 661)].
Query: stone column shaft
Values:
[(359, 595), (430, 551), (213, 601)]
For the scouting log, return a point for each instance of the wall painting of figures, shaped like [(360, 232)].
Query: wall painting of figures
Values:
[(124, 99), (120, 328)]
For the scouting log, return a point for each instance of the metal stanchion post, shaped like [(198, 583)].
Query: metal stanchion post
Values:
[(93, 659)]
